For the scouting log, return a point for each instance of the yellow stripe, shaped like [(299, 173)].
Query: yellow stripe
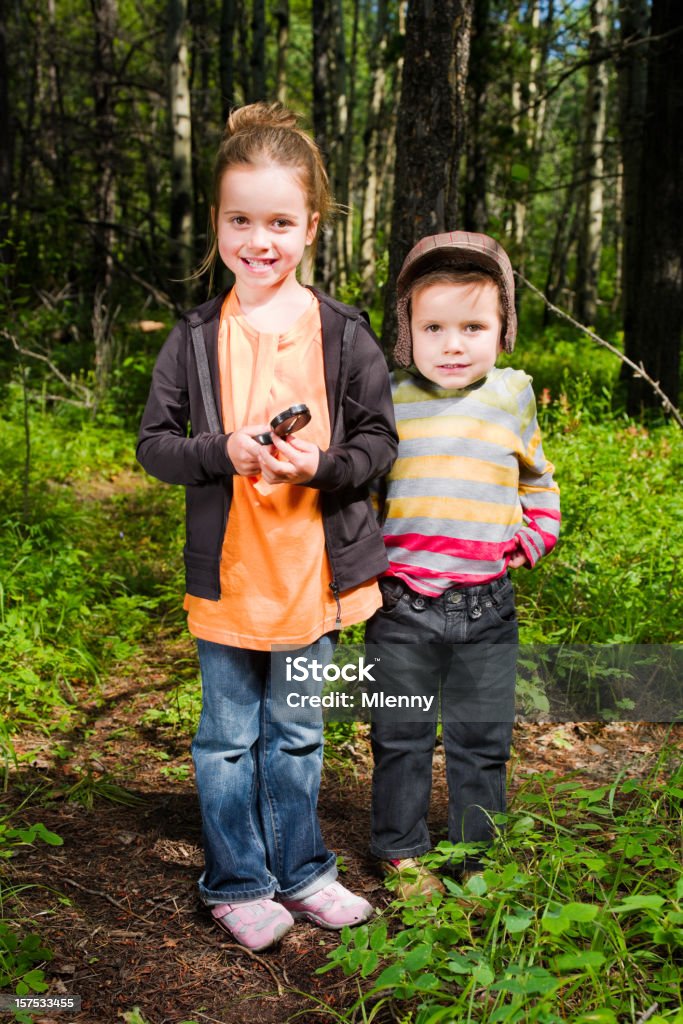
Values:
[(453, 466), (458, 426), (453, 508)]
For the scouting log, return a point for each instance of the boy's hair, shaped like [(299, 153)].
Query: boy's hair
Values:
[(454, 256), (268, 133), (457, 275)]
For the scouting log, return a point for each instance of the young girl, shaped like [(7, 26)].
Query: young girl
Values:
[(282, 545)]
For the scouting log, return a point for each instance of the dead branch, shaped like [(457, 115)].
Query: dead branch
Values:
[(638, 369), (86, 396)]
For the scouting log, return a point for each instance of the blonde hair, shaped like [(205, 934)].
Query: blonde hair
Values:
[(262, 133)]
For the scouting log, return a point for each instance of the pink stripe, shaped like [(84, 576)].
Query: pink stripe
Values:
[(540, 513), (408, 573), (479, 550)]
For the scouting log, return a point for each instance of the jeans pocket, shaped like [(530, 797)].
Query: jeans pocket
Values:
[(392, 592), (501, 604)]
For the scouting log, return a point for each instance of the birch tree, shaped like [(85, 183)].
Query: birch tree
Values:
[(592, 195), (181, 233)]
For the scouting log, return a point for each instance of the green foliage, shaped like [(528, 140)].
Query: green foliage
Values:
[(22, 953), (577, 917), (82, 575), (613, 577)]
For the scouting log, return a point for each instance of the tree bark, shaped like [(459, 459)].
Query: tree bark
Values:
[(258, 50), (341, 154), (655, 337), (430, 132), (475, 210), (322, 124), (7, 135), (282, 18), (227, 59), (378, 77), (632, 67), (181, 149), (105, 14), (592, 207)]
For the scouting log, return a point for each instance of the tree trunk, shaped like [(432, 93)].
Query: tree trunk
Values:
[(322, 123), (258, 50), (475, 212), (634, 17), (378, 77), (592, 206), (655, 337), (105, 15), (181, 149), (430, 132), (7, 135), (341, 155), (227, 59), (282, 18)]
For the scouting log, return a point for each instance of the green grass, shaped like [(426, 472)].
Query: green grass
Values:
[(578, 917)]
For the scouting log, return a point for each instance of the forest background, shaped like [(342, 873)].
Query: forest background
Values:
[(553, 125)]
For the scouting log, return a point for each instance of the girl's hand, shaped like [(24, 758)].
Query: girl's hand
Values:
[(244, 451), (518, 560), (298, 462)]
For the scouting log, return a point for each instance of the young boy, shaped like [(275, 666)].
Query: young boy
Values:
[(470, 496)]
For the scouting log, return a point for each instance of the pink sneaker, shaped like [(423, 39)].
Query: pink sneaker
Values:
[(256, 924), (331, 907)]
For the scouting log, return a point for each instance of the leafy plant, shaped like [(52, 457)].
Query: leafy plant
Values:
[(578, 914)]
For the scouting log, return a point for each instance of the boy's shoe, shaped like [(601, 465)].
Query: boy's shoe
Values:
[(255, 924), (332, 907), (413, 877)]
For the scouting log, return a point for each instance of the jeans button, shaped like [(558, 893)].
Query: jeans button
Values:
[(455, 598), (419, 603)]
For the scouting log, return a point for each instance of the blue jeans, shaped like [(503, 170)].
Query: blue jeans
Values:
[(461, 648), (257, 781)]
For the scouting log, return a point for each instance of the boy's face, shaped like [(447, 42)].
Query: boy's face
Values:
[(456, 329)]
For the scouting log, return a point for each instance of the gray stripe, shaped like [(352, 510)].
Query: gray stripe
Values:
[(205, 380), (466, 447), (449, 487), (492, 533), (444, 563)]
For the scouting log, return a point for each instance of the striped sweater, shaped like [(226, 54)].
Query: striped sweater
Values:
[(471, 485)]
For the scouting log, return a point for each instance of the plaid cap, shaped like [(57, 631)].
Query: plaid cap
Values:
[(455, 249)]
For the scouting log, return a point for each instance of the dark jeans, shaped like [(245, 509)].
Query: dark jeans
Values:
[(462, 648)]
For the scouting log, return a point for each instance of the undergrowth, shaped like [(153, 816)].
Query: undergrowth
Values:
[(577, 918)]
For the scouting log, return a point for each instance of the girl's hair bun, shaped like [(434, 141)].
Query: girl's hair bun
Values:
[(259, 116)]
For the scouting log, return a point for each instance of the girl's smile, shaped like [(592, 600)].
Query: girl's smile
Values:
[(263, 226)]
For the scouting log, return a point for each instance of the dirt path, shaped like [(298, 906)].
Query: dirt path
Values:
[(131, 931)]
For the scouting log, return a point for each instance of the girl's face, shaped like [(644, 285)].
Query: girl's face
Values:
[(263, 225)]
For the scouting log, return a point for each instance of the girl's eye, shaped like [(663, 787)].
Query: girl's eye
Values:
[(282, 222), (473, 328), (433, 328), (239, 221)]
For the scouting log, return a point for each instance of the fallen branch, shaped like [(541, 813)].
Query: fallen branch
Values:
[(85, 400), (638, 369), (650, 1012)]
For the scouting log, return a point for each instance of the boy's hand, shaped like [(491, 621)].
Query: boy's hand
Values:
[(298, 462), (243, 450), (518, 560)]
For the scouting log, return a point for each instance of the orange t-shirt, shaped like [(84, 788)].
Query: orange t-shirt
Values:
[(275, 573)]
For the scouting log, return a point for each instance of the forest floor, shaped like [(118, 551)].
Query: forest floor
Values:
[(117, 902)]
